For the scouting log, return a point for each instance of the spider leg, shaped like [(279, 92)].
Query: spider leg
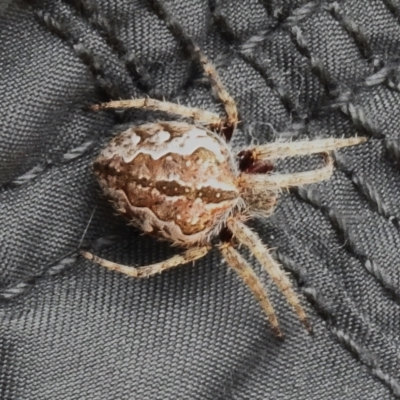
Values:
[(249, 238), (289, 149), (196, 114), (227, 125), (261, 182), (153, 269), (240, 265), (224, 97)]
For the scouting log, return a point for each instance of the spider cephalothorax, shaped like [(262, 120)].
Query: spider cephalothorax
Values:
[(179, 181)]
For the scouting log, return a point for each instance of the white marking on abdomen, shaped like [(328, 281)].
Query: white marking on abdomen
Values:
[(216, 184), (157, 146)]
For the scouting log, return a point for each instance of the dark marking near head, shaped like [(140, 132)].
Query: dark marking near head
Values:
[(249, 165), (227, 131), (261, 167), (225, 235), (245, 160)]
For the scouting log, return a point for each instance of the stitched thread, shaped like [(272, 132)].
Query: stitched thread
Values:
[(40, 169), (368, 358), (272, 79), (340, 223), (50, 270), (188, 45), (355, 31), (327, 312), (366, 188), (88, 10), (55, 267), (92, 60), (393, 7), (393, 148), (390, 73)]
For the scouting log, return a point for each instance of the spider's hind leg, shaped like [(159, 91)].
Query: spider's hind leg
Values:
[(250, 239), (153, 269), (240, 265)]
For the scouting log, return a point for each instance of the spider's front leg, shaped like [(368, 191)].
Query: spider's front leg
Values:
[(276, 150), (259, 156), (153, 269), (260, 183)]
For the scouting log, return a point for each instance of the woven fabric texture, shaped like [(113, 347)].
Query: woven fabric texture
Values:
[(72, 330)]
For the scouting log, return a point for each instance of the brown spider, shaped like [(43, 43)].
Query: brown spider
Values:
[(180, 182)]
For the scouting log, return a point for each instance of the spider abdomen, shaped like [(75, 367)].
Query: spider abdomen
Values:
[(170, 179)]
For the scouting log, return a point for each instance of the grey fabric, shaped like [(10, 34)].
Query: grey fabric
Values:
[(72, 330)]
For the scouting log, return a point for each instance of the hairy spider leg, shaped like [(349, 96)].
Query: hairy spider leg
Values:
[(289, 149), (153, 269), (224, 97), (197, 114), (243, 269), (262, 182), (250, 239), (226, 125)]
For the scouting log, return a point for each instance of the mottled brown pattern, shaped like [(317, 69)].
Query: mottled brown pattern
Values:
[(174, 187), (177, 182)]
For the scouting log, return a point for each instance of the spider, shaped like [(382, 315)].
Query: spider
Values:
[(181, 182)]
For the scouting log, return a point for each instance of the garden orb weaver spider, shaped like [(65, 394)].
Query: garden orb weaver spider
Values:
[(180, 182)]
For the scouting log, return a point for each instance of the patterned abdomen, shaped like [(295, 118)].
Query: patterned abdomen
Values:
[(171, 179)]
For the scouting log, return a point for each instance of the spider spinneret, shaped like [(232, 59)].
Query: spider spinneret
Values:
[(181, 182)]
